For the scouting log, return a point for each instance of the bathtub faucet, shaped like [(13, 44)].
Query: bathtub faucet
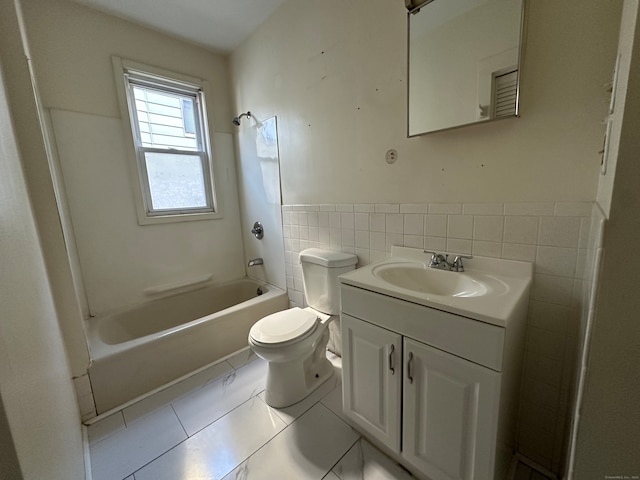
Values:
[(255, 261)]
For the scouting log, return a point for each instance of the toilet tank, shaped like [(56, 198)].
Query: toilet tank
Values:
[(320, 271)]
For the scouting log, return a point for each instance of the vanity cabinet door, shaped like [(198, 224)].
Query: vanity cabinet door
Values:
[(450, 414), (371, 379)]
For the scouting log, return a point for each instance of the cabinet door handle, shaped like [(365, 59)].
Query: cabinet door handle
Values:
[(409, 365), (392, 359)]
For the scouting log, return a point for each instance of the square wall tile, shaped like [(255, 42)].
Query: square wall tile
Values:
[(347, 221), (456, 245), (552, 289), (348, 238), (548, 316), (521, 229), (488, 228), (559, 231), (378, 241), (323, 219), (394, 239), (525, 253), (556, 261), (414, 241), (334, 219), (362, 239), (361, 221), (460, 226), (435, 244), (486, 249), (394, 223), (377, 222), (435, 225), (413, 224)]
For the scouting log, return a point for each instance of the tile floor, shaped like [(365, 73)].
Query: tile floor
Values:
[(216, 425)]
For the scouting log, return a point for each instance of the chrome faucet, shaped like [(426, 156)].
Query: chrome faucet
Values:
[(441, 262), (255, 261)]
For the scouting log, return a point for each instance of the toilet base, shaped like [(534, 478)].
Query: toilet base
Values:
[(291, 382)]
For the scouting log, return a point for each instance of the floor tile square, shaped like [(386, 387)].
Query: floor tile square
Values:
[(217, 449), (242, 357), (174, 392), (364, 462), (207, 404), (126, 451), (306, 449)]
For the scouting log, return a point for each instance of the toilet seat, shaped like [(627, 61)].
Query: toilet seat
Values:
[(281, 328)]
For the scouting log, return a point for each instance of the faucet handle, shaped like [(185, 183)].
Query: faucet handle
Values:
[(457, 262), (436, 258)]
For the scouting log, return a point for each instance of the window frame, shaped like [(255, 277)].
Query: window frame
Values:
[(130, 74)]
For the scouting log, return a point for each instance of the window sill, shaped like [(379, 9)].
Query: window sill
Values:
[(183, 217)]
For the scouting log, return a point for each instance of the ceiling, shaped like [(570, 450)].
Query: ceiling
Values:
[(220, 25)]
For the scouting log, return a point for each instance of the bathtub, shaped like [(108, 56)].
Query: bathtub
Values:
[(137, 350)]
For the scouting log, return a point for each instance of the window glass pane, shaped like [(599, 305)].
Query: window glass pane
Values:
[(170, 124), (175, 181), (188, 115)]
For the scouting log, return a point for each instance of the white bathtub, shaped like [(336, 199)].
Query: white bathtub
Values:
[(138, 350)]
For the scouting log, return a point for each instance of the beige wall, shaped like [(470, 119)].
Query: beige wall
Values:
[(72, 48), (35, 380), (334, 73), (608, 435)]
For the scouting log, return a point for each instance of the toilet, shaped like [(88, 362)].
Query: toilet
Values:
[(294, 341)]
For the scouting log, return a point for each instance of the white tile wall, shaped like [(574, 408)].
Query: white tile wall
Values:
[(555, 236)]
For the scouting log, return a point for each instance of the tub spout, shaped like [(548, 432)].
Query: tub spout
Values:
[(255, 261)]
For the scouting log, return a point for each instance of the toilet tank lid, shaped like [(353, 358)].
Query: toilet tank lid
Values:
[(327, 258)]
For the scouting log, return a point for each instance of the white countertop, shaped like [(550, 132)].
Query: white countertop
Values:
[(496, 306)]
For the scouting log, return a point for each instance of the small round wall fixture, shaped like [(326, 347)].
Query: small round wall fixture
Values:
[(391, 156)]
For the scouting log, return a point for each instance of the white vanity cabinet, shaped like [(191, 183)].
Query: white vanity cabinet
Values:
[(449, 407), (429, 387), (372, 377)]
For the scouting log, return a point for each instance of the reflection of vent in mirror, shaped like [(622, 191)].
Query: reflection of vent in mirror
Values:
[(504, 94)]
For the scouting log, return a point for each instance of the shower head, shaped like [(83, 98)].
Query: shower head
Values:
[(236, 120)]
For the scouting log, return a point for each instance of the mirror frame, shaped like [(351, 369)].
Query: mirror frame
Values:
[(413, 7)]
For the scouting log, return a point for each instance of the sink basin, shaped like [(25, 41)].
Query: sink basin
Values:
[(420, 278), (490, 289)]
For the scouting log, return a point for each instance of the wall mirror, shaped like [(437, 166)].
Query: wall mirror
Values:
[(463, 62)]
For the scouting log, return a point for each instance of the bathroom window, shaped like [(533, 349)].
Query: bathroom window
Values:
[(170, 153)]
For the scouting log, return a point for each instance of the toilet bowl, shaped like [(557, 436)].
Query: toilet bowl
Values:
[(294, 341)]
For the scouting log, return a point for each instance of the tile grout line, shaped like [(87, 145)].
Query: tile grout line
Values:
[(360, 437), (195, 433)]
